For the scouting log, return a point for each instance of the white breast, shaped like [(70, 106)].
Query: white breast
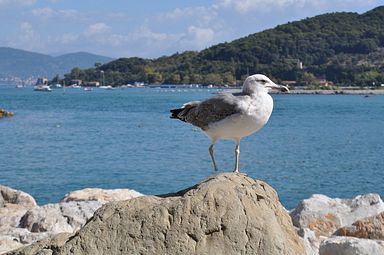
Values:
[(256, 113)]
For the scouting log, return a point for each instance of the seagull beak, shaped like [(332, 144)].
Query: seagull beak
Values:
[(281, 88)]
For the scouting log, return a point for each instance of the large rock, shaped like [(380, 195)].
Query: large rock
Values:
[(13, 205), (43, 247), (318, 217), (311, 241), (16, 197), (325, 215), (351, 246), (369, 228), (225, 214), (101, 195), (4, 113), (22, 222), (58, 218)]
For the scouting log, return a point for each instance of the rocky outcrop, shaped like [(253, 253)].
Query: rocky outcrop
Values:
[(4, 113), (22, 222), (351, 246), (325, 215), (364, 236), (10, 196), (101, 195), (318, 217), (59, 218), (369, 228), (44, 246), (13, 205), (225, 214)]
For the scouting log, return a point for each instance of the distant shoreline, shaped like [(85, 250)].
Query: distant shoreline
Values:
[(337, 92)]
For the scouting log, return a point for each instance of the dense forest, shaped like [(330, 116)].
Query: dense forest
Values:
[(344, 48)]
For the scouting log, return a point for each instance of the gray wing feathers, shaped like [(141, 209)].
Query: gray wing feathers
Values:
[(211, 110)]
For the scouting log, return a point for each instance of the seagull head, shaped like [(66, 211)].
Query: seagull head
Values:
[(261, 83)]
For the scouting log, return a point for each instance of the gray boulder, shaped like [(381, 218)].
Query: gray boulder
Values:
[(318, 217), (58, 218), (101, 195), (351, 246), (325, 215), (16, 197), (13, 205), (225, 214), (369, 228), (22, 222)]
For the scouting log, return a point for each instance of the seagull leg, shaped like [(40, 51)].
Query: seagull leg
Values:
[(212, 158), (237, 152)]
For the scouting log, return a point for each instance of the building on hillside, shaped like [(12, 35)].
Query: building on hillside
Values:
[(76, 82), (91, 84)]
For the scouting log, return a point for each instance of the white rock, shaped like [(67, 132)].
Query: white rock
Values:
[(325, 215), (13, 205), (101, 195), (12, 196), (58, 218), (311, 241), (23, 222), (351, 246), (8, 244)]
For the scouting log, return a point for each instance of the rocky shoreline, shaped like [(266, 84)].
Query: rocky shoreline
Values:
[(224, 214), (338, 92), (23, 222), (298, 91), (4, 113)]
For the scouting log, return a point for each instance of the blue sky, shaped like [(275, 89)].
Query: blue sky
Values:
[(145, 28)]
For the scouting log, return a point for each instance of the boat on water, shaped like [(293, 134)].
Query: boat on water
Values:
[(42, 88), (57, 86), (42, 85), (75, 86), (106, 87), (88, 89)]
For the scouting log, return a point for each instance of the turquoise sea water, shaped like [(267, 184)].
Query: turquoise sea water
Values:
[(59, 142)]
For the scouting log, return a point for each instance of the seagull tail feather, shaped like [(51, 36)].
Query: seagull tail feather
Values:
[(183, 112), (175, 114)]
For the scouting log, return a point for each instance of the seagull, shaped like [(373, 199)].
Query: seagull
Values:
[(232, 116)]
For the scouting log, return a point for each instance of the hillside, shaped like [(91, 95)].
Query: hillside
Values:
[(23, 64), (345, 48)]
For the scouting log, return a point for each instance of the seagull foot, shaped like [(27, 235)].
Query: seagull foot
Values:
[(238, 173)]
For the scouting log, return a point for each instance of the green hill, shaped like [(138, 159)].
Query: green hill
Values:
[(24, 64), (345, 48)]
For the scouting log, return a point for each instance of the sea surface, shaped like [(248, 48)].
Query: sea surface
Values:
[(59, 142)]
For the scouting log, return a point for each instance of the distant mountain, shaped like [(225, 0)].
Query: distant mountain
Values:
[(345, 48), (24, 64)]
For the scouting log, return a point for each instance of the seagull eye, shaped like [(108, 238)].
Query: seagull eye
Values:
[(262, 81)]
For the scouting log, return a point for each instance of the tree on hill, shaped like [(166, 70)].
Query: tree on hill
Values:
[(345, 48)]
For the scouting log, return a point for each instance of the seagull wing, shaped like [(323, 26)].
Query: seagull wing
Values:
[(212, 110)]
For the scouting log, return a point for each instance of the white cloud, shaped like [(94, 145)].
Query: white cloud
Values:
[(66, 38), (27, 38), (200, 14), (17, 2), (196, 38), (264, 6), (26, 30), (97, 28), (43, 12), (246, 6), (145, 33), (144, 36), (46, 13), (201, 37)]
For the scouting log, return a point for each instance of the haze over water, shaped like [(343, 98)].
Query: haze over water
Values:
[(58, 143)]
